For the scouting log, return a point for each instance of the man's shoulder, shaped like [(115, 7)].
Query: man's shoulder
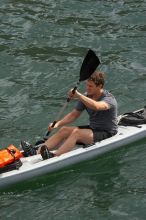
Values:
[(108, 94), (109, 98)]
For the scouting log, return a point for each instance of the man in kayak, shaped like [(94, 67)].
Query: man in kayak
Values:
[(102, 109)]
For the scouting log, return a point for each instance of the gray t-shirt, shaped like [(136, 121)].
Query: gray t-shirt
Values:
[(102, 119)]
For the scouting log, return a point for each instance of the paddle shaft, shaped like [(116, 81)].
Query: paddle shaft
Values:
[(62, 109)]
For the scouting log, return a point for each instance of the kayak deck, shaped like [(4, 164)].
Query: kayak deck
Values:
[(34, 166)]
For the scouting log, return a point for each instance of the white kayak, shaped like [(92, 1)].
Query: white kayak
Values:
[(34, 166)]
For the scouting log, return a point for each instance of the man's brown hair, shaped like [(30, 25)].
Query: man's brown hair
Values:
[(98, 78)]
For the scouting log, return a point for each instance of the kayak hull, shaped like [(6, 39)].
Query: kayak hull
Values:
[(34, 166)]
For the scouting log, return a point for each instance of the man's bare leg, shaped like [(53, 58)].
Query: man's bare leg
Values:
[(57, 138), (76, 135)]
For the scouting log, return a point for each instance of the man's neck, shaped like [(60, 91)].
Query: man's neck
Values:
[(98, 94)]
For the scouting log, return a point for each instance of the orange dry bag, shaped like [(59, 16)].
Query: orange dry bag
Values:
[(9, 155)]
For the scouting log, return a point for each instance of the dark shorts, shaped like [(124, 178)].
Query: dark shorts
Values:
[(98, 135)]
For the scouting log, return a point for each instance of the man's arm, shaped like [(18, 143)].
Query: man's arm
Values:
[(69, 118), (90, 103)]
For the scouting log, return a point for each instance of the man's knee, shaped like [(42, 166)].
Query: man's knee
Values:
[(75, 132), (67, 131), (64, 130)]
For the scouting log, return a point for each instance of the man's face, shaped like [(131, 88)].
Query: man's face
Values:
[(91, 88)]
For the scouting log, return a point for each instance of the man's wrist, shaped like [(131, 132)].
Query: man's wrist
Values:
[(78, 95)]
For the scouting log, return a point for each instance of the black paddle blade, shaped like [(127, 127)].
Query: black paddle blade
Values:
[(89, 65)]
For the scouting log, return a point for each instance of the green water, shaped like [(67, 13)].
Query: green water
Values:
[(42, 45)]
